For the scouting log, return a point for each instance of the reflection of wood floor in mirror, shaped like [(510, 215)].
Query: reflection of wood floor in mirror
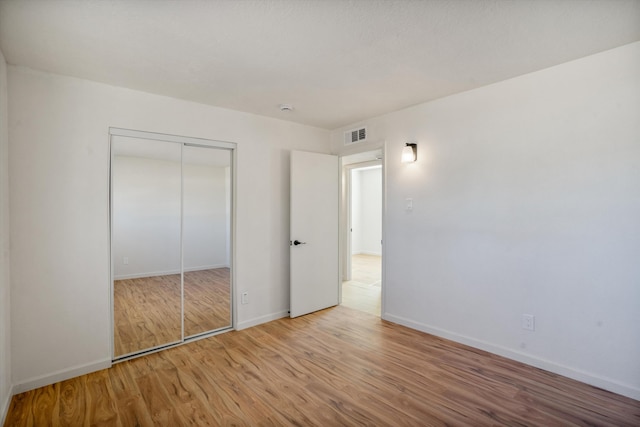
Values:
[(146, 313), (146, 310), (207, 300), (363, 291)]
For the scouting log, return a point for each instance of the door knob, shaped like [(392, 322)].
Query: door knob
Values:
[(298, 242)]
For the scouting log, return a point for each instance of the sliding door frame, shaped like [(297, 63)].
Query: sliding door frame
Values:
[(183, 141)]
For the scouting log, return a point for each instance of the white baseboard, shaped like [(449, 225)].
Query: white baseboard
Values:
[(4, 409), (147, 274), (262, 319), (60, 375), (168, 272), (547, 365), (207, 267)]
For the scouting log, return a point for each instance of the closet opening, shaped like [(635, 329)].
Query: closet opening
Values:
[(171, 217)]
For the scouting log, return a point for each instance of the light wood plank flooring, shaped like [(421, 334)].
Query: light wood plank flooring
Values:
[(336, 367), (147, 311), (363, 291)]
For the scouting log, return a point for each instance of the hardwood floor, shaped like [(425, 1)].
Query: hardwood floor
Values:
[(337, 367), (363, 291), (147, 311)]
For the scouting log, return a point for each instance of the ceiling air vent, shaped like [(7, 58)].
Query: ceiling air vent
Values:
[(355, 135)]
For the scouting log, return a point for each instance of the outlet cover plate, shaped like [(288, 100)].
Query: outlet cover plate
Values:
[(529, 322)]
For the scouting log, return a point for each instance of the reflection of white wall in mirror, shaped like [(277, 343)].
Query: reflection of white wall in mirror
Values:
[(366, 211), (205, 217), (146, 217)]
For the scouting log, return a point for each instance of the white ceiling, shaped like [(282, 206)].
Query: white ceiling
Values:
[(337, 61)]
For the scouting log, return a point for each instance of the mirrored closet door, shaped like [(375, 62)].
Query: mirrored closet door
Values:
[(206, 239), (171, 218)]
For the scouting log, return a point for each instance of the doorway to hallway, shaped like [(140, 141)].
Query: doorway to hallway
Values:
[(362, 232)]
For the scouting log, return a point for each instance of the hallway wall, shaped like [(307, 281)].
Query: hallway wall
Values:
[(366, 211)]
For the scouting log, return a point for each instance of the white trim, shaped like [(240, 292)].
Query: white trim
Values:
[(181, 242), (147, 274), (383, 259), (233, 175), (4, 409), (61, 375), (262, 319), (171, 138), (547, 365), (207, 267), (345, 219), (112, 268), (346, 228)]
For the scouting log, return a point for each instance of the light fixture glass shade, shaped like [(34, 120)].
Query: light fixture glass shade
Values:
[(409, 153)]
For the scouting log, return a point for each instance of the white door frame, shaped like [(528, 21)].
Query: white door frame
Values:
[(345, 218)]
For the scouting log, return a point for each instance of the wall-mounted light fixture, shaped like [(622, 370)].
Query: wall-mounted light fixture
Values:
[(410, 152)]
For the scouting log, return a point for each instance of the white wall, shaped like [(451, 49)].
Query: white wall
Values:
[(526, 200), (58, 133), (5, 334), (205, 217), (366, 211), (356, 214)]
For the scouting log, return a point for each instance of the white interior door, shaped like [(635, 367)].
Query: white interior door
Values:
[(314, 232)]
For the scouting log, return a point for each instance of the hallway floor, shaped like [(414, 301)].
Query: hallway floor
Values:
[(363, 291)]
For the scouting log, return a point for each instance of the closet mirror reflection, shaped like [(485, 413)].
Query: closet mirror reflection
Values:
[(171, 214), (206, 241)]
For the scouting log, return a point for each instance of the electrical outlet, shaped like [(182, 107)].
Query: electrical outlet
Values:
[(529, 322), (245, 298), (125, 260)]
